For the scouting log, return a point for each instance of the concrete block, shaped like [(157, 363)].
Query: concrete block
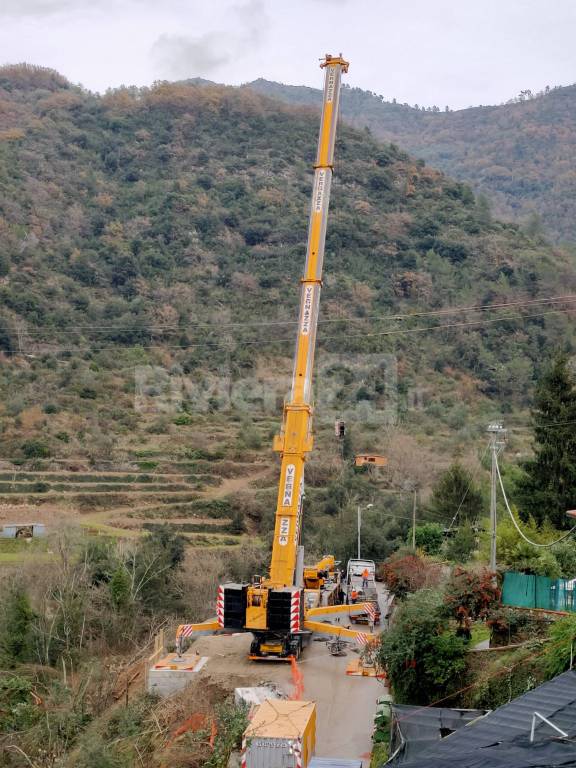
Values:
[(173, 673)]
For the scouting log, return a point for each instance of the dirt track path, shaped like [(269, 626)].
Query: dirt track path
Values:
[(232, 484)]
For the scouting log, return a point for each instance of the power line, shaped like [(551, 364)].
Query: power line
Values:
[(270, 323), (520, 531), (250, 342), (553, 424), (467, 491), (531, 428)]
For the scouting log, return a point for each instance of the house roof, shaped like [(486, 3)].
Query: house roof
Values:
[(546, 754), (420, 728), (502, 737)]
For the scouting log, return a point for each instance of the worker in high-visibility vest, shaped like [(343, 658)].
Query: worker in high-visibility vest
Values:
[(353, 596), (365, 577)]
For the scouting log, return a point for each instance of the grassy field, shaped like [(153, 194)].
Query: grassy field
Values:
[(16, 551)]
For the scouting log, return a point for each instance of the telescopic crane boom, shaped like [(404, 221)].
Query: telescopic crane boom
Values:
[(295, 439), (272, 608)]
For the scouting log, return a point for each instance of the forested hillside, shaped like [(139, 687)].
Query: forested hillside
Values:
[(520, 154), (168, 226)]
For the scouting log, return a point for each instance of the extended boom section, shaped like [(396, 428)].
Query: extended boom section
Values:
[(275, 608), (295, 440)]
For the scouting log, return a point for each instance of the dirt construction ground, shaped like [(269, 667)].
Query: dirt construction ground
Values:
[(345, 705)]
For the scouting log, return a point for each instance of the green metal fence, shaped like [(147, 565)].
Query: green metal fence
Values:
[(524, 590)]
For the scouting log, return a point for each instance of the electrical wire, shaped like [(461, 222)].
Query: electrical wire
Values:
[(520, 531), (466, 492), (250, 342), (345, 319)]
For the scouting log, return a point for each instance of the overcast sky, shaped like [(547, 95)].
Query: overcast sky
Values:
[(444, 52)]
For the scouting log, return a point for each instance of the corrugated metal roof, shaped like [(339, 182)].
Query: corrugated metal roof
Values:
[(551, 754), (334, 762), (281, 719), (422, 727), (556, 700)]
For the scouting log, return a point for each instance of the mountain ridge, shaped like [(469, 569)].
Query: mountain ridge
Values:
[(519, 154)]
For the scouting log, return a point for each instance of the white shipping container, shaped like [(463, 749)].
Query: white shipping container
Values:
[(273, 753)]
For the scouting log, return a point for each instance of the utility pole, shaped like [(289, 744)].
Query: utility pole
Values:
[(497, 442), (359, 528), (414, 506), (368, 506)]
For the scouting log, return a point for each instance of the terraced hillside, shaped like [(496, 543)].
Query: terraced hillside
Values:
[(150, 250)]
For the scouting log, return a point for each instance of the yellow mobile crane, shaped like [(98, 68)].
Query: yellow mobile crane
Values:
[(278, 610)]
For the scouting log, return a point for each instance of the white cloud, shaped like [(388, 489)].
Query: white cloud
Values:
[(36, 8), (181, 56)]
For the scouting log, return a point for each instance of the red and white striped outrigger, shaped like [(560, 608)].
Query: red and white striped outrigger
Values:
[(317, 620)]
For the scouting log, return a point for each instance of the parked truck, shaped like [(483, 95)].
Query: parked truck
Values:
[(362, 589)]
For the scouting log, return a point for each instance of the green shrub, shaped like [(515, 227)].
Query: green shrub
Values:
[(250, 438), (129, 720), (424, 660), (462, 544), (88, 393), (96, 753), (562, 648), (232, 722), (16, 620), (18, 711), (147, 466), (35, 449), (183, 420), (120, 588), (429, 537)]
